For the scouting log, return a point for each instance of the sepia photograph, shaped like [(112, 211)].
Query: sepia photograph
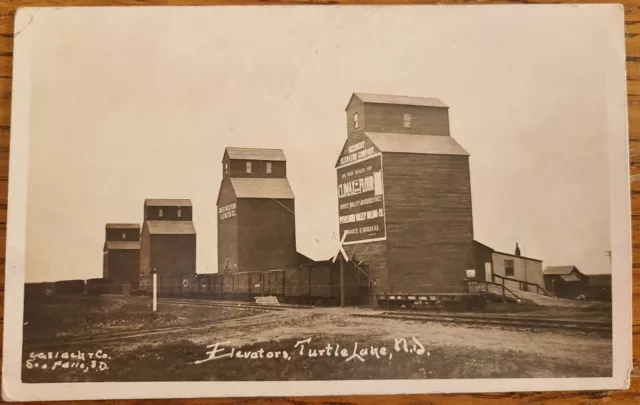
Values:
[(304, 200)]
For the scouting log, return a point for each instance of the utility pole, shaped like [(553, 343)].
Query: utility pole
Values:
[(155, 289), (342, 282)]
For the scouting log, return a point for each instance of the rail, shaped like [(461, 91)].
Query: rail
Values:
[(497, 289), (515, 280)]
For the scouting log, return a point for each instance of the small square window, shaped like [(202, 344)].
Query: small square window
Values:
[(160, 213), (124, 235), (508, 268), (248, 167), (179, 213), (407, 120), (269, 168), (356, 122)]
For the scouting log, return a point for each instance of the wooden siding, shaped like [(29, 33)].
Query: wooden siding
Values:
[(296, 282), (168, 213), (123, 266), (429, 221), (523, 269), (238, 168), (481, 255), (355, 107), (424, 120), (376, 254), (266, 234), (276, 282), (227, 230), (145, 251), (116, 235), (173, 253)]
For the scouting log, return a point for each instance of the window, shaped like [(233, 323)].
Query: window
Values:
[(179, 213), (160, 212), (226, 168), (248, 167), (356, 123), (124, 235), (269, 168), (508, 268), (407, 120)]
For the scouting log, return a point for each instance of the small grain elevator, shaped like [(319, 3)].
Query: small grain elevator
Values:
[(121, 254), (168, 243), (404, 194), (256, 212)]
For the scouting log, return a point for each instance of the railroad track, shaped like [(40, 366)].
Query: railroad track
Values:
[(117, 336), (111, 336), (200, 302), (520, 322)]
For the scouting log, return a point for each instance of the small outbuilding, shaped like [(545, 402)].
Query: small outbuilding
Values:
[(515, 271), (565, 281)]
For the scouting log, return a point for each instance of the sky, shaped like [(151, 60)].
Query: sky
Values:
[(135, 103)]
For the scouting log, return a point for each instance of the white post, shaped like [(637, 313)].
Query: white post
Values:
[(155, 292)]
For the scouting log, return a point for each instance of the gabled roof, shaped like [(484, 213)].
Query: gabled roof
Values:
[(399, 100), (123, 226), (492, 250), (159, 202), (419, 144), (262, 188), (275, 155), (171, 228), (558, 270), (128, 245)]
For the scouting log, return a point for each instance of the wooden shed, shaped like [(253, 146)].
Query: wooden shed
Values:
[(404, 194), (256, 212), (168, 242)]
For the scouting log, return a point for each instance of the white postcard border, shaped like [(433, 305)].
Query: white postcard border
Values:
[(15, 390)]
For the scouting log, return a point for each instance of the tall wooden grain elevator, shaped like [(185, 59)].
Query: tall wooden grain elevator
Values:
[(404, 194), (256, 212)]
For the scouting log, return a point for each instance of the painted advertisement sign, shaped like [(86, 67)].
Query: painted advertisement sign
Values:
[(227, 211), (361, 195)]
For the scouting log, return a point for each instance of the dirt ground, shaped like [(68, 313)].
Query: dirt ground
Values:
[(296, 344)]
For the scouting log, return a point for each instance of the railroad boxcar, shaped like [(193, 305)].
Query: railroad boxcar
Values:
[(203, 285), (276, 282), (256, 285), (241, 285), (175, 284), (188, 285), (216, 284), (70, 287), (265, 283), (38, 290), (97, 286), (227, 285), (164, 285), (324, 281), (296, 284)]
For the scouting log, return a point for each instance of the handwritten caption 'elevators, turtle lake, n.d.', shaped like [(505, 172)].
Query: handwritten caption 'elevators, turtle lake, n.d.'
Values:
[(304, 348)]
